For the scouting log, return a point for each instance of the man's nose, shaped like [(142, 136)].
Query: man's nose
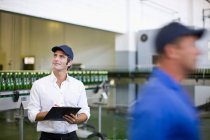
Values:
[(56, 58)]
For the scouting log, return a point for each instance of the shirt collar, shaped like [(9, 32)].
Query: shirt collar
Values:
[(168, 81), (165, 78), (54, 79)]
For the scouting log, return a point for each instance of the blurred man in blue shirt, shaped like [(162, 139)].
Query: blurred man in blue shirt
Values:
[(164, 110)]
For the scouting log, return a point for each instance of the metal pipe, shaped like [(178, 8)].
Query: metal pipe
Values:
[(161, 6), (21, 119), (204, 16)]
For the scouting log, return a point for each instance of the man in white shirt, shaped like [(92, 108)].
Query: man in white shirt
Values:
[(58, 89)]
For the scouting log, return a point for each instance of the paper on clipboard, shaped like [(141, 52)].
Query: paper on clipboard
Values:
[(57, 113)]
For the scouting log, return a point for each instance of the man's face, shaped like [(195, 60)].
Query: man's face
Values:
[(187, 52), (59, 61)]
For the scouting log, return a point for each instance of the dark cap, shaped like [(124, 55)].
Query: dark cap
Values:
[(171, 32), (66, 49)]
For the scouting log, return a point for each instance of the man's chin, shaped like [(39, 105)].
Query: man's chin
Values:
[(56, 68)]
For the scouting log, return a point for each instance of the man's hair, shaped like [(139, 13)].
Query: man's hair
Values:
[(68, 60)]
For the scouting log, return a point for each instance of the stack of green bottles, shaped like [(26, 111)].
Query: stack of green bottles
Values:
[(90, 77), (22, 80), (201, 73), (19, 80)]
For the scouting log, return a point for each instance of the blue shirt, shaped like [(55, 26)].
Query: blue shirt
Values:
[(163, 111)]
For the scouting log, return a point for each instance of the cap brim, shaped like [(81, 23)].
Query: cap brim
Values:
[(198, 33), (54, 49)]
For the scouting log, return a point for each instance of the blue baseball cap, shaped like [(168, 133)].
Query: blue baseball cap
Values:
[(66, 49), (171, 32)]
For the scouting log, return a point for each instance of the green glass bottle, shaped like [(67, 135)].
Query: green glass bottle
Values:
[(79, 75), (3, 81), (75, 74), (92, 80), (96, 77), (88, 78), (41, 75), (100, 76), (20, 80), (24, 80), (84, 77), (38, 75), (8, 82), (16, 87), (33, 78), (28, 80), (12, 84), (70, 73), (0, 82)]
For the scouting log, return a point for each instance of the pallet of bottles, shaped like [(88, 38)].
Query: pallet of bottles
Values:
[(19, 80), (199, 73), (15, 85)]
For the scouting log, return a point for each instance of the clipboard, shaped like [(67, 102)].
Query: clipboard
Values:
[(57, 113)]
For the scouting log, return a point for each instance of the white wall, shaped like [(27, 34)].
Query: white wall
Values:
[(102, 14), (124, 17), (26, 36), (153, 14), (112, 15), (150, 14), (199, 5)]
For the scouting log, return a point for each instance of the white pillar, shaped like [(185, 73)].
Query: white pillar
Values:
[(125, 44)]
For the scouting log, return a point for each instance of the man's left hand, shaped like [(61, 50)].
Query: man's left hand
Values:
[(71, 118)]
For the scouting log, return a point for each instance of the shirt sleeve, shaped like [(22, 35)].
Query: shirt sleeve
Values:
[(82, 102), (34, 103)]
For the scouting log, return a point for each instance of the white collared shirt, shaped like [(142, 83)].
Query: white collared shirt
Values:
[(45, 93)]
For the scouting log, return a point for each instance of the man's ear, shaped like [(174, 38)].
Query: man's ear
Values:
[(171, 51), (70, 63)]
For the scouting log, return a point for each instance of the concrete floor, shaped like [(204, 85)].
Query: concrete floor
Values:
[(114, 125)]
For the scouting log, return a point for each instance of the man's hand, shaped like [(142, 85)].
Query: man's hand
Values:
[(75, 119)]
